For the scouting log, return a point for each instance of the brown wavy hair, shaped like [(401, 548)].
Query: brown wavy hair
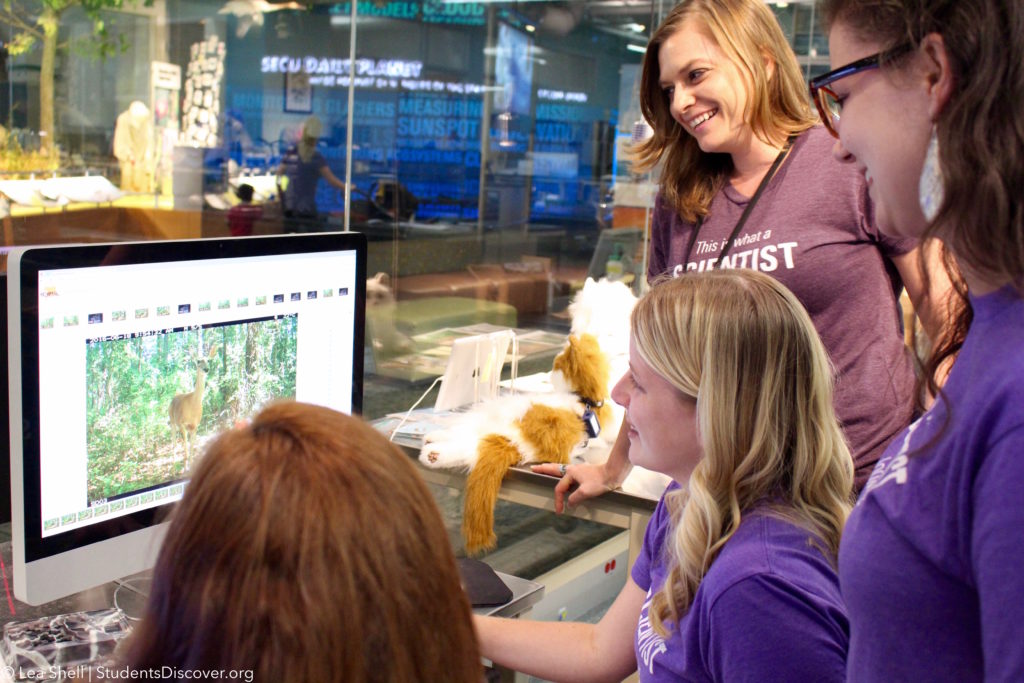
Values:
[(307, 548), (979, 130), (743, 346), (777, 107)]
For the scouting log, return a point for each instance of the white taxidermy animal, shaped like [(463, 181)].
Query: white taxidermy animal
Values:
[(380, 316), (602, 308)]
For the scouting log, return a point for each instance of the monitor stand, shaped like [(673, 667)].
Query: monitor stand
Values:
[(132, 594)]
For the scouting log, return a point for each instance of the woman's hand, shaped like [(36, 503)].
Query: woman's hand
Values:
[(591, 480), (578, 481)]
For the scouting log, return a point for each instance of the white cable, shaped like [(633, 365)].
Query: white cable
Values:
[(476, 380), (409, 412), (476, 370), (515, 363), (499, 341)]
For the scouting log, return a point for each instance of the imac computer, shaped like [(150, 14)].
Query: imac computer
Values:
[(125, 359)]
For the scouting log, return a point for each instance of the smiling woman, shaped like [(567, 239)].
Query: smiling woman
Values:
[(729, 393), (727, 60), (747, 182), (930, 560)]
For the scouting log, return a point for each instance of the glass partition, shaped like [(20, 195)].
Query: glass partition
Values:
[(481, 146)]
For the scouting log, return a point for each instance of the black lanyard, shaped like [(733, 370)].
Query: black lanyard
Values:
[(746, 212)]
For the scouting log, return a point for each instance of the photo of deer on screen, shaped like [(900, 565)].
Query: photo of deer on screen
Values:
[(153, 400)]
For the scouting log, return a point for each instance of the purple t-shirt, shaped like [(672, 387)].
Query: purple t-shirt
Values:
[(813, 230), (932, 559), (768, 609)]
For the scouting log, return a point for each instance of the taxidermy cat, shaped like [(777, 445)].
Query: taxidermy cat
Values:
[(602, 308), (513, 430), (387, 339)]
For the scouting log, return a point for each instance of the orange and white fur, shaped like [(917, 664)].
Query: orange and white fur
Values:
[(602, 308), (513, 430), (546, 427)]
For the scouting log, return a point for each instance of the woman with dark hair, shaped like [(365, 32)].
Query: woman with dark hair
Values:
[(747, 182), (925, 99), (307, 548)]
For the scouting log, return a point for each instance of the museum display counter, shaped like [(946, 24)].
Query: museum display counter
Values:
[(91, 209), (117, 221)]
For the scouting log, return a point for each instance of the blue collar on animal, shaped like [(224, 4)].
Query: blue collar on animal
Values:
[(588, 403)]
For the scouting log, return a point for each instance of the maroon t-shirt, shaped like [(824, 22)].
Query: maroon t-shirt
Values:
[(813, 230), (241, 218)]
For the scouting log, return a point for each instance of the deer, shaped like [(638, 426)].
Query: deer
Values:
[(187, 409)]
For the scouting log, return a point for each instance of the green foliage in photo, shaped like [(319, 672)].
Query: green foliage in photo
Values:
[(131, 383)]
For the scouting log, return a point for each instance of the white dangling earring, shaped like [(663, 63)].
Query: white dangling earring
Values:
[(930, 189)]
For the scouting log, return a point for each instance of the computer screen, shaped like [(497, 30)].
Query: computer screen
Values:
[(125, 359)]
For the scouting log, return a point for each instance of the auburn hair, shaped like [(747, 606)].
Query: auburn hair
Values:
[(307, 548)]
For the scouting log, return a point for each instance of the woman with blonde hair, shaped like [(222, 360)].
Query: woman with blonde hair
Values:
[(729, 392), (930, 565), (302, 168), (747, 181), (307, 548)]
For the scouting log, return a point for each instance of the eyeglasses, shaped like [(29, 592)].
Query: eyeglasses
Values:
[(827, 101)]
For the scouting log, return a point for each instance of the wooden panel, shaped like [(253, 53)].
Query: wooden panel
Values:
[(106, 223)]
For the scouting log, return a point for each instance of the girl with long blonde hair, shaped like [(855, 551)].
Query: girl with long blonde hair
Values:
[(729, 393)]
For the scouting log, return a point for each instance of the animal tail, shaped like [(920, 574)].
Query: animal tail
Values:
[(495, 455)]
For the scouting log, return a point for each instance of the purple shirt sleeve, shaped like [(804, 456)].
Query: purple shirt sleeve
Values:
[(661, 232)]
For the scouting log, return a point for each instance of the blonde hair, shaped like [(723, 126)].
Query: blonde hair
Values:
[(311, 131), (777, 106), (743, 346)]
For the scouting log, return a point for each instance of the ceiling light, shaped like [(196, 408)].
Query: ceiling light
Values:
[(636, 48)]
